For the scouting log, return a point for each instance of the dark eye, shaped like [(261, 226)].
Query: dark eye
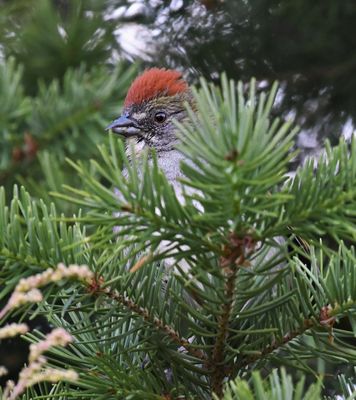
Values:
[(160, 117)]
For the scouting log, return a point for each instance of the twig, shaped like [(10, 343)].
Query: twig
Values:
[(159, 324), (218, 369), (326, 320), (308, 323), (235, 253)]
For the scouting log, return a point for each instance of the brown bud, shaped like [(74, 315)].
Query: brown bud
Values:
[(325, 318), (95, 286), (232, 155), (17, 154), (31, 146)]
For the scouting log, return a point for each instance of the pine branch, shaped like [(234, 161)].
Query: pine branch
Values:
[(219, 370), (159, 324), (240, 302), (329, 202), (277, 344)]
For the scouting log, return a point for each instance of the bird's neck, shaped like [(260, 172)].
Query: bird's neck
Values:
[(168, 157), (136, 147)]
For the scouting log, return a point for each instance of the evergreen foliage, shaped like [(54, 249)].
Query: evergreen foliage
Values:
[(231, 307), (48, 37), (238, 302), (61, 120)]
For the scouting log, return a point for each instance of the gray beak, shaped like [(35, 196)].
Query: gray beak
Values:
[(124, 126)]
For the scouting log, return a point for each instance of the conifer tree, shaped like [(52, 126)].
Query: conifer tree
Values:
[(248, 319), (266, 309)]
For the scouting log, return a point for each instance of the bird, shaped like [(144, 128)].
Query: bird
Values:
[(154, 100)]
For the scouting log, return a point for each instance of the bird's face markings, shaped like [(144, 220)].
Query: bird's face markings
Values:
[(152, 122), (138, 116), (154, 100)]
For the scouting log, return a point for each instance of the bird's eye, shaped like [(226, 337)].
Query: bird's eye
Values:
[(160, 117)]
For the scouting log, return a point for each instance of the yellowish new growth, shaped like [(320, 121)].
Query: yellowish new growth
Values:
[(36, 371), (11, 330), (27, 291), (58, 337)]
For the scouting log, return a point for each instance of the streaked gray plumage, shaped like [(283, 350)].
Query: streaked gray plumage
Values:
[(154, 100)]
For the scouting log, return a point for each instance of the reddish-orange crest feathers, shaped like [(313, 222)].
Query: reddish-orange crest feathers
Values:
[(154, 82)]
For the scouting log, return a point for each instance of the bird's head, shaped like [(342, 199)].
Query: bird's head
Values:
[(153, 101)]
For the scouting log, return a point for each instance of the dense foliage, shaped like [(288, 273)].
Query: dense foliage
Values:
[(245, 303), (244, 312)]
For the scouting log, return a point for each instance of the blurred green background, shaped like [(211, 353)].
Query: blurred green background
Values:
[(65, 66)]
